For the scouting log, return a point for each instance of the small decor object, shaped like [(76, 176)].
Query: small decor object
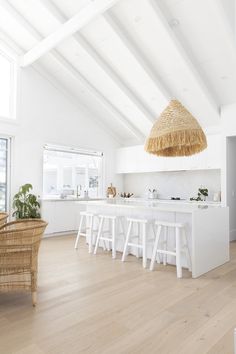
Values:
[(111, 191), (176, 133), (126, 195), (201, 196), (217, 197), (26, 204), (152, 194)]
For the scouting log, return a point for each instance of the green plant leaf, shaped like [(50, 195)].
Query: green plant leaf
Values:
[(25, 204)]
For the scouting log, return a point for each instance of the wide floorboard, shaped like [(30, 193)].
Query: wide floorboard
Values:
[(93, 304)]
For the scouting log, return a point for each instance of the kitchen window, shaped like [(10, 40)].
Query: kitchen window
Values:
[(72, 172), (4, 173), (7, 86)]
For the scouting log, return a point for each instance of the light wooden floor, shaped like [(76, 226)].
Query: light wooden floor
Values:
[(93, 304)]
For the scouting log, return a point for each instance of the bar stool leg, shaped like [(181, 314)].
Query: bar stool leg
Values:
[(138, 233), (94, 236), (154, 233), (165, 245), (79, 231), (113, 239), (122, 227), (144, 244), (178, 254), (110, 228), (90, 234), (154, 253), (99, 235), (186, 249), (127, 241)]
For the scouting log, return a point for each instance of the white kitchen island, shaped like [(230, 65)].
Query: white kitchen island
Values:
[(207, 226)]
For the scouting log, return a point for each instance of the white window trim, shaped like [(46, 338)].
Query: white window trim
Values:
[(83, 151), (9, 171)]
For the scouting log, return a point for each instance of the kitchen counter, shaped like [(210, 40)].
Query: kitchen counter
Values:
[(207, 226), (164, 205), (67, 199)]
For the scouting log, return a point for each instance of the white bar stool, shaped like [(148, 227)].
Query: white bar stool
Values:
[(86, 221), (181, 245), (112, 233), (129, 238)]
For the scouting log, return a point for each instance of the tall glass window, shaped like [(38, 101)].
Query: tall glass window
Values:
[(4, 173), (72, 172)]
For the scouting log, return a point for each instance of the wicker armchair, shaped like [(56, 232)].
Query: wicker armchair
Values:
[(19, 245), (3, 218)]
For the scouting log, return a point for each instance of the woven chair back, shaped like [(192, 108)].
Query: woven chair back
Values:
[(3, 218)]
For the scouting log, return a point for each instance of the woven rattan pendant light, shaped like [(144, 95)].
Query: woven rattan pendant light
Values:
[(176, 133)]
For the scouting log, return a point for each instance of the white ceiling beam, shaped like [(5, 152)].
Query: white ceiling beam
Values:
[(115, 111), (74, 99), (110, 107), (134, 98), (10, 44), (78, 21), (115, 24), (220, 10), (185, 57), (107, 68)]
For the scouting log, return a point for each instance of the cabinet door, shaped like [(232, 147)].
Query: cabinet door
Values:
[(196, 162), (173, 163), (48, 214), (135, 159), (65, 216), (214, 151)]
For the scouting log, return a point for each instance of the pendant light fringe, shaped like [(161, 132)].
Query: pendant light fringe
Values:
[(176, 133)]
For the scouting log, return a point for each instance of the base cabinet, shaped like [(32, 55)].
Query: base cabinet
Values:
[(62, 216)]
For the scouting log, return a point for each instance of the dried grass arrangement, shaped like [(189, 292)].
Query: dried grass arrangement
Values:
[(176, 133)]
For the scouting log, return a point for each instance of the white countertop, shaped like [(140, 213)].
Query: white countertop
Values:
[(68, 199), (171, 206)]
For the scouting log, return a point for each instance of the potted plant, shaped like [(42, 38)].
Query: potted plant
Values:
[(201, 196), (26, 204)]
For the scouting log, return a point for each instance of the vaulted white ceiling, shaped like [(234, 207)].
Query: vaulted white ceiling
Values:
[(125, 59)]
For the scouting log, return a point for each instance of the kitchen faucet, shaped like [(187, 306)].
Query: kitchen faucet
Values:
[(78, 190)]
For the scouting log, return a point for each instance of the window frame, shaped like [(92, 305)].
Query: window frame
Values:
[(8, 171), (82, 151)]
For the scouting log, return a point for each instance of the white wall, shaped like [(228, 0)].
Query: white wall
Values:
[(231, 183), (46, 115), (228, 123), (182, 184)]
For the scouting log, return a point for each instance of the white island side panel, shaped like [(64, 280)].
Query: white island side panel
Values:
[(210, 239)]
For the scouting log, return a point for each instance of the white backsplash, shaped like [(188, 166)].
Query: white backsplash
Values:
[(182, 184)]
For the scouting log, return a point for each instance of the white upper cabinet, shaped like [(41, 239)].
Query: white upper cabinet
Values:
[(134, 159)]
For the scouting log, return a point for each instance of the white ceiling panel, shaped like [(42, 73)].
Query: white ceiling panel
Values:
[(108, 44), (74, 88), (167, 56), (15, 29), (34, 12), (125, 65), (70, 7), (204, 32), (98, 79)]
